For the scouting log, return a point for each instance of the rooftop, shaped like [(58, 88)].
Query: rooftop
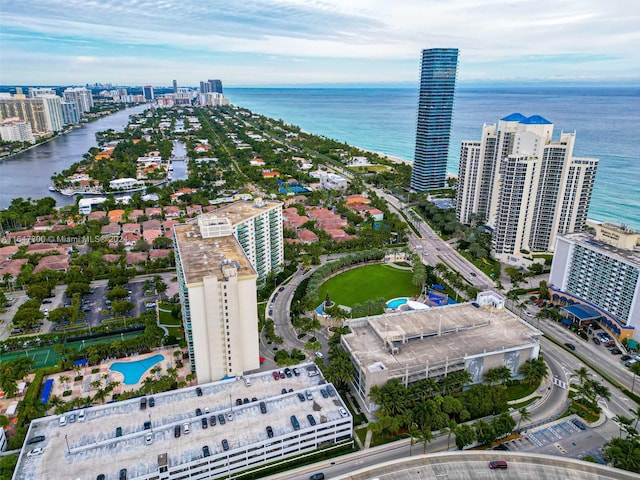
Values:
[(243, 210), (202, 257), (588, 240), (432, 336), (94, 448)]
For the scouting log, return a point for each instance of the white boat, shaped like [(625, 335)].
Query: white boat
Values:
[(53, 189)]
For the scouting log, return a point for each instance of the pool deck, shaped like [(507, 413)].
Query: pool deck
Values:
[(79, 388)]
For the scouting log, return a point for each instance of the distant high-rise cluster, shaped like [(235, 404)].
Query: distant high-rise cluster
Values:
[(435, 109), (211, 93), (527, 187), (147, 92), (43, 110)]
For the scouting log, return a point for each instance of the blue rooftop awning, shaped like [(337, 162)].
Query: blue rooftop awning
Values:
[(582, 312)]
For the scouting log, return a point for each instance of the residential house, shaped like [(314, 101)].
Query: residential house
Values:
[(307, 236)]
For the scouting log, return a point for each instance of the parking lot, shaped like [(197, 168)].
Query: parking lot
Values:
[(568, 437)]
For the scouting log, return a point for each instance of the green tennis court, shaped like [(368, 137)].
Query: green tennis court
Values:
[(47, 356)]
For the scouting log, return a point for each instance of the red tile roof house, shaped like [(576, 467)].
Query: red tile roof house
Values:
[(43, 226), (59, 263), (270, 174), (12, 267), (136, 257), (111, 258), (134, 215), (171, 211), (97, 216), (151, 235), (326, 218), (159, 253), (129, 239), (338, 235), (7, 252), (151, 211), (45, 248), (112, 229), (194, 210), (22, 237), (292, 219), (131, 227), (151, 225), (307, 236)]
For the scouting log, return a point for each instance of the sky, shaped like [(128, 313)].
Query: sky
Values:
[(290, 42)]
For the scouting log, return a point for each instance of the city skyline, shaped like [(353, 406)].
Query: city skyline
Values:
[(269, 43)]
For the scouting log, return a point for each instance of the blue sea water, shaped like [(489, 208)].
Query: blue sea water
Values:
[(383, 119)]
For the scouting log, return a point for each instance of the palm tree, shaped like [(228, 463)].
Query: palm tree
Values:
[(624, 454), (450, 429), (636, 414), (635, 369), (622, 422), (524, 416), (582, 374)]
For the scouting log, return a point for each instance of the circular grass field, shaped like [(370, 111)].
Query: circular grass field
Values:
[(368, 283)]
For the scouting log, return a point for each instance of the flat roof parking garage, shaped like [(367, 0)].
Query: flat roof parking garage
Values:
[(86, 449)]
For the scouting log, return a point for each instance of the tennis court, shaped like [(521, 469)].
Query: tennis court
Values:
[(47, 356)]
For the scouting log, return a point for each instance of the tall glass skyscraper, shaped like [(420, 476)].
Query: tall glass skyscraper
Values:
[(435, 109)]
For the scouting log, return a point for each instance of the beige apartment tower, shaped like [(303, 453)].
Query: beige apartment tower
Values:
[(217, 289), (526, 187)]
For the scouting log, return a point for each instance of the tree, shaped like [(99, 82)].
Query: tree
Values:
[(582, 374), (465, 435), (121, 307), (485, 432), (624, 454), (623, 422), (534, 370), (524, 416), (635, 369)]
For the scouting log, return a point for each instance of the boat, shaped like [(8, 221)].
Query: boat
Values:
[(53, 189)]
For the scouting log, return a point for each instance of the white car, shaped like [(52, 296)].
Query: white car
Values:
[(35, 452), (343, 412), (148, 438), (247, 381), (319, 355), (186, 428), (230, 416), (81, 415), (62, 421), (206, 410)]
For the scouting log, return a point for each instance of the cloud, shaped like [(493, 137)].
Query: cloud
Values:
[(378, 37)]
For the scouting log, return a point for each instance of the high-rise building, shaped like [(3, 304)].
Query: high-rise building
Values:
[(30, 110), (16, 130), (53, 112), (205, 87), (221, 258), (598, 276), (147, 91), (217, 289), (525, 186), (215, 86), (70, 114), (37, 92), (175, 86), (82, 98), (435, 109)]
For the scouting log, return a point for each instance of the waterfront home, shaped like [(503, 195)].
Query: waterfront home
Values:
[(125, 184)]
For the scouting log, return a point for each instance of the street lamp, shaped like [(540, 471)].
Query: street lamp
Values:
[(67, 440)]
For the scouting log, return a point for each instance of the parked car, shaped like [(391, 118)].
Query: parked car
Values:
[(615, 351), (263, 407), (148, 438), (230, 416), (309, 395), (221, 419), (331, 391), (498, 464), (198, 391), (198, 412), (35, 452), (296, 371), (276, 376), (596, 340), (625, 358), (205, 451), (177, 431), (312, 421), (225, 444), (118, 431), (301, 396), (269, 431), (324, 393), (152, 402), (62, 421), (204, 423), (343, 412), (186, 428), (212, 420), (36, 439)]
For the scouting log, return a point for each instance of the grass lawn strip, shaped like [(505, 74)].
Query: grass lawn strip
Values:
[(368, 283)]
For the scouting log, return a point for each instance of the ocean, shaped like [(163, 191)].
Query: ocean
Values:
[(383, 119)]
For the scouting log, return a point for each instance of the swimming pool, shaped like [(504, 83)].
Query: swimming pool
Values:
[(133, 371), (397, 302)]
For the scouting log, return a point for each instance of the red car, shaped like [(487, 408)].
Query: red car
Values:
[(276, 376), (498, 464)]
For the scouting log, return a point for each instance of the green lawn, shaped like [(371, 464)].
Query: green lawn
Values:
[(368, 283)]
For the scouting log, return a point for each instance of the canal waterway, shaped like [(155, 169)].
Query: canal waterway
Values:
[(28, 174)]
